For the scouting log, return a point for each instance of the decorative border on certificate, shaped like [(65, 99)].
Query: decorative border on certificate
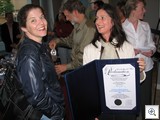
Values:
[(119, 86), (119, 81)]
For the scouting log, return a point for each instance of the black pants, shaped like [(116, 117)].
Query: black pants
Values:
[(146, 92)]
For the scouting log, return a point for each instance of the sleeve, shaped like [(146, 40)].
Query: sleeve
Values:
[(3, 33), (78, 49), (67, 41), (85, 56), (150, 41), (36, 91)]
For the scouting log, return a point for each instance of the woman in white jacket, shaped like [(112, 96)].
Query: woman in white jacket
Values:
[(139, 35), (110, 43)]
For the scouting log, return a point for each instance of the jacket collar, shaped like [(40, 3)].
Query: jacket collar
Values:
[(81, 25)]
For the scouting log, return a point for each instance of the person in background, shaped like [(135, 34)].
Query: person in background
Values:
[(139, 35), (62, 29), (95, 4), (110, 42), (98, 4), (10, 32), (34, 65), (81, 35), (120, 7)]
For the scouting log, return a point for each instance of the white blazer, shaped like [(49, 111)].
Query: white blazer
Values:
[(92, 53)]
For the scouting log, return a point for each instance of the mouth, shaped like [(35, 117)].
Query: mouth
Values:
[(100, 27), (41, 29)]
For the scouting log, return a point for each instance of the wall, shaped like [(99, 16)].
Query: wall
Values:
[(18, 3), (152, 12), (51, 8)]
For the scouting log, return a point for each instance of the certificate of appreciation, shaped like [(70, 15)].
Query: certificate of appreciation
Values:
[(119, 86)]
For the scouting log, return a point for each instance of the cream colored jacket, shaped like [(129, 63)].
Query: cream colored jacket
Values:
[(92, 53)]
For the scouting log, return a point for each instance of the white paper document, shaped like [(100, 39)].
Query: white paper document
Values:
[(120, 86)]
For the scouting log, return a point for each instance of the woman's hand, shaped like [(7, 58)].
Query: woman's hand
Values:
[(142, 64)]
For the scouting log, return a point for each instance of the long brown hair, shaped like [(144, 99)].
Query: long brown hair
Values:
[(117, 31)]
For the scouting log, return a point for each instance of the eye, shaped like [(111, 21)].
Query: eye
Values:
[(33, 20), (42, 17), (103, 17)]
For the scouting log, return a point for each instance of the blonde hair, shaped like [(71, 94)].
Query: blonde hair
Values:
[(132, 5)]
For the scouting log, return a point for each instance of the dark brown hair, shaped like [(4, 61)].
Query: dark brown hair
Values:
[(116, 32), (71, 5), (23, 13)]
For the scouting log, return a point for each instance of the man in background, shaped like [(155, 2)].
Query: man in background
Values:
[(10, 32), (81, 35)]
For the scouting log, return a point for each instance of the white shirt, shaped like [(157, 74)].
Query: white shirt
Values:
[(140, 39)]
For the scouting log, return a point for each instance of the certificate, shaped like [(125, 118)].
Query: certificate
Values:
[(119, 86)]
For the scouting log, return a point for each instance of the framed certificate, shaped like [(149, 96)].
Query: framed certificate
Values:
[(104, 86), (120, 83)]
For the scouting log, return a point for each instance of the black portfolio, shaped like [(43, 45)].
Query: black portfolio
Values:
[(86, 89)]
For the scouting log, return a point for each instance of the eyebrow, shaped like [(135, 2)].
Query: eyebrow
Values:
[(35, 17)]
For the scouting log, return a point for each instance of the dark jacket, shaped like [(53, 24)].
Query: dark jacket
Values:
[(37, 75), (6, 36)]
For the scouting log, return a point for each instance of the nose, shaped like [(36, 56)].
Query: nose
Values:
[(97, 20), (41, 21)]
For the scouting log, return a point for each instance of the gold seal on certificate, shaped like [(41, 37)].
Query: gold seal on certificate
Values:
[(119, 86)]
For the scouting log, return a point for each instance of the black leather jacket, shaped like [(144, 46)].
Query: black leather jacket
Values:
[(37, 75)]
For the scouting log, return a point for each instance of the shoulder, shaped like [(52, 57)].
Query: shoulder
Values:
[(145, 25), (127, 44), (28, 48), (91, 47), (3, 25), (90, 24), (125, 23)]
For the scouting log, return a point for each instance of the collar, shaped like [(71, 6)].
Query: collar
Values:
[(81, 25), (114, 41), (127, 22)]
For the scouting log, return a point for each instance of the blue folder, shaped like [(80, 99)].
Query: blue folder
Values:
[(85, 89)]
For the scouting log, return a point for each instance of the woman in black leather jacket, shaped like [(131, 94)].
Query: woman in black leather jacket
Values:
[(34, 65)]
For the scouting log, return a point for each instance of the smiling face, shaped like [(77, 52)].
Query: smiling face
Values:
[(36, 25), (103, 22)]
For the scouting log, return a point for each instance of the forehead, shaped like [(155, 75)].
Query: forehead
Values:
[(140, 4), (66, 12), (34, 12), (102, 12)]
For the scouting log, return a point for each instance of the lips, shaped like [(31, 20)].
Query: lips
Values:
[(100, 27), (41, 29)]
